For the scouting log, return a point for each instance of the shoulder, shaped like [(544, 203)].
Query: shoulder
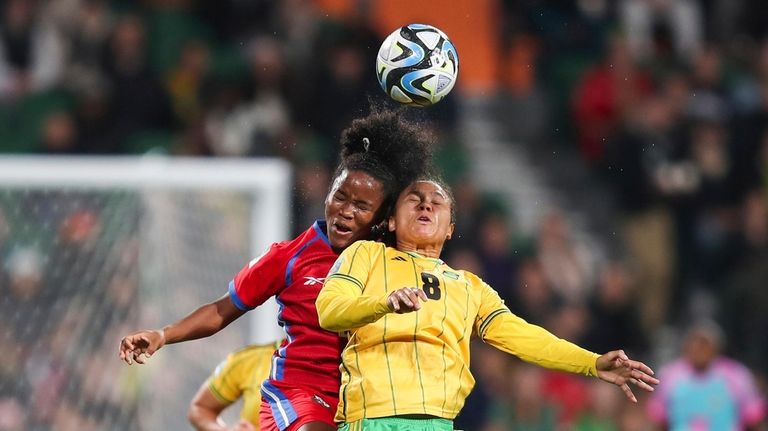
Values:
[(313, 235), (365, 246), (471, 278), (246, 356), (732, 368), (674, 371)]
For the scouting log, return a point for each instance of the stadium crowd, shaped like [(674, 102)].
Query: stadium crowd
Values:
[(666, 102)]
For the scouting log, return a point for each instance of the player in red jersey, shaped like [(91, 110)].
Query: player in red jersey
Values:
[(381, 154)]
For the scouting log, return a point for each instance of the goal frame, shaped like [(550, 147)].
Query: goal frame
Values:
[(267, 180)]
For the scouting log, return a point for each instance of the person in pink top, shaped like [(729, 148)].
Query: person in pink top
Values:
[(704, 390)]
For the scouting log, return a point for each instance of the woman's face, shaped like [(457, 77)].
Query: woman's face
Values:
[(351, 207), (422, 215)]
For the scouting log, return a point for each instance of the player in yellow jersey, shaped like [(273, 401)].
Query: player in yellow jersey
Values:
[(239, 375), (409, 318)]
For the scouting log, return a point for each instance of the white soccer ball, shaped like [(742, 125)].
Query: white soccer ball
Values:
[(417, 65)]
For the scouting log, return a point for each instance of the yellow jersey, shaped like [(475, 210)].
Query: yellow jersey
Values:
[(241, 375), (418, 363)]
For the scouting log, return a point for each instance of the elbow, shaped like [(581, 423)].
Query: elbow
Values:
[(193, 415), (330, 325), (326, 322)]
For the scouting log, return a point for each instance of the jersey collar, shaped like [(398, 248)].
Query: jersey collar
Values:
[(321, 227), (415, 255)]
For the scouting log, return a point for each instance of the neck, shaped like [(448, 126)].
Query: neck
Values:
[(426, 250)]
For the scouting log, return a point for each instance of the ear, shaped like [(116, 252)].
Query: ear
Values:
[(451, 228), (391, 224)]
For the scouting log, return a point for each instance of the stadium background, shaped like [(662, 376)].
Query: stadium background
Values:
[(560, 208)]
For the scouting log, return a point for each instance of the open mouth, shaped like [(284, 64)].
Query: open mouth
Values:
[(341, 229), (424, 219)]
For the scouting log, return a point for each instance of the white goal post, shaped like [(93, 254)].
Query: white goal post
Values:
[(191, 222), (269, 180)]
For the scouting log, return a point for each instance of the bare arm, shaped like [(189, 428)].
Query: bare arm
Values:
[(203, 322), (205, 409)]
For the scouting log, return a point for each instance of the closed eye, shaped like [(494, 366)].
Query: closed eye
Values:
[(363, 206)]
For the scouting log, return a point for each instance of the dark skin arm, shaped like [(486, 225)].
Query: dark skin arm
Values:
[(205, 409), (317, 426), (203, 322), (204, 413)]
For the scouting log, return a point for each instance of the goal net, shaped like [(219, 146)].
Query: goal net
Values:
[(92, 249)]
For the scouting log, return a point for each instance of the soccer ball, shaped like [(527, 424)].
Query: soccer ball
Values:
[(417, 65)]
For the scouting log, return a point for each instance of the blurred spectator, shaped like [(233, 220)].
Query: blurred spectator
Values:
[(93, 118), (468, 210), (744, 297), (85, 27), (31, 51), (658, 28), (565, 262), (603, 96), (602, 412), (494, 250), (534, 299), (184, 82), (254, 126), (704, 390), (524, 406), (12, 416), (491, 370), (565, 391), (341, 83), (27, 296), (711, 90), (311, 190), (753, 18), (76, 252), (647, 168), (614, 318), (14, 392), (568, 394), (716, 200), (59, 135), (138, 101), (750, 126)]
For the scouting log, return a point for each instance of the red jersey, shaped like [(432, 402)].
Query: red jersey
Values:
[(294, 272)]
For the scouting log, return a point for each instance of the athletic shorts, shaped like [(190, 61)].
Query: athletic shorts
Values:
[(285, 408), (398, 424)]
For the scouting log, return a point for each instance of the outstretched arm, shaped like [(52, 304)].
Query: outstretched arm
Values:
[(497, 326), (203, 322)]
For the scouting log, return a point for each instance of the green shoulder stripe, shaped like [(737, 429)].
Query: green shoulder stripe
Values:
[(488, 320), (347, 278), (218, 394)]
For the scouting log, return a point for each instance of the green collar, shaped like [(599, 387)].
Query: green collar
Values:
[(413, 254)]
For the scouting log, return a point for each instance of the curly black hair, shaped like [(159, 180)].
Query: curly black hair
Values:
[(391, 148)]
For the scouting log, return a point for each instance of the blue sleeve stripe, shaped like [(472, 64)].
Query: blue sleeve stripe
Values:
[(292, 261), (236, 299)]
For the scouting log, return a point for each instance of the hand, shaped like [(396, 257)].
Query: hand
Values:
[(143, 342), (406, 299), (615, 367), (243, 425)]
